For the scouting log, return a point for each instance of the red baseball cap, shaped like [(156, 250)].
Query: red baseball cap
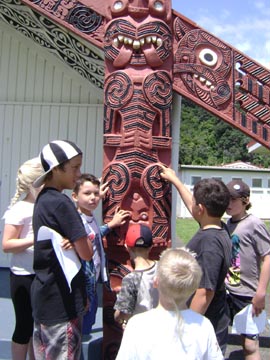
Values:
[(139, 235)]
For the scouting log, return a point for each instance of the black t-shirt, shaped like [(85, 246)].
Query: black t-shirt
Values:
[(213, 252), (52, 300)]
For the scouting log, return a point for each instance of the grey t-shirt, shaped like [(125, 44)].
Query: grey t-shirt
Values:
[(137, 293), (250, 241)]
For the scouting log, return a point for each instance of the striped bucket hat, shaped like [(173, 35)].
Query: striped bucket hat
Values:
[(54, 154)]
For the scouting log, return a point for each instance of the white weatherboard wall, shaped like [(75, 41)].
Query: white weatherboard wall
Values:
[(42, 99), (259, 197)]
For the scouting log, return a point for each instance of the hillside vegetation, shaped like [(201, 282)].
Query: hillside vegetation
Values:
[(208, 140)]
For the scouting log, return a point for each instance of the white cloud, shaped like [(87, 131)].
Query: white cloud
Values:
[(244, 46), (244, 25), (259, 4), (249, 35)]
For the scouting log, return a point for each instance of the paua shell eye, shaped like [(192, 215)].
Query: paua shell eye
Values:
[(118, 5), (158, 5), (208, 57)]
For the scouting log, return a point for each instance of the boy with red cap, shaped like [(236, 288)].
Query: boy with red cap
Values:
[(137, 293), (249, 272)]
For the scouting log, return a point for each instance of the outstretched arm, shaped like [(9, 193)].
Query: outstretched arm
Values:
[(169, 175)]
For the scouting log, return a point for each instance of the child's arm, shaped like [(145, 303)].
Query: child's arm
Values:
[(11, 242), (201, 300), (84, 248), (258, 300), (121, 318), (119, 218), (169, 175), (126, 300)]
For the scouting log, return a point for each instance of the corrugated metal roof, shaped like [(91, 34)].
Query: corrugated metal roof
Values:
[(238, 165)]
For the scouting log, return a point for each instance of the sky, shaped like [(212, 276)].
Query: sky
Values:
[(244, 24)]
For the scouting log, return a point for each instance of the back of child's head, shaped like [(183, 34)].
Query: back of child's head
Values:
[(139, 236), (27, 173), (213, 194), (178, 275), (56, 154), (85, 178)]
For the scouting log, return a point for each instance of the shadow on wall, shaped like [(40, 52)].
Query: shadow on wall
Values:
[(4, 283)]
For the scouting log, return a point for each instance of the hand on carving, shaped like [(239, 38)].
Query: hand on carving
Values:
[(167, 173), (103, 189), (119, 218)]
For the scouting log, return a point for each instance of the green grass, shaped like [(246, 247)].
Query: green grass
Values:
[(186, 228)]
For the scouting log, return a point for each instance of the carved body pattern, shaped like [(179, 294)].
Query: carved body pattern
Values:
[(137, 132)]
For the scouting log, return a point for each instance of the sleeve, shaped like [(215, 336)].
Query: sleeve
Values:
[(13, 216), (127, 296), (262, 239), (90, 278), (104, 230), (70, 221)]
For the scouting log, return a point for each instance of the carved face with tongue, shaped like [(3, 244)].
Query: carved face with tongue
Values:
[(145, 42)]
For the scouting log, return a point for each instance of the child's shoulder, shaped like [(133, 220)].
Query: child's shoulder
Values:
[(150, 266)]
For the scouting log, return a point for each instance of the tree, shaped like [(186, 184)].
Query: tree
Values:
[(208, 140)]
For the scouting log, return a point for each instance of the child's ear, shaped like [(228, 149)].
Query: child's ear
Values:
[(201, 208), (74, 196)]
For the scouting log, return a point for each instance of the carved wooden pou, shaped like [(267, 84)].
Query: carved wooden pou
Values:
[(137, 133)]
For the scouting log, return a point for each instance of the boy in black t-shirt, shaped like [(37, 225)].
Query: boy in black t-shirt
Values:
[(57, 307), (212, 245)]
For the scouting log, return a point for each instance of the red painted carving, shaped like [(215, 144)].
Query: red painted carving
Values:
[(222, 80), (206, 70), (137, 133)]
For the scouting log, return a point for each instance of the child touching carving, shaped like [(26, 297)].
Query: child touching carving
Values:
[(86, 195)]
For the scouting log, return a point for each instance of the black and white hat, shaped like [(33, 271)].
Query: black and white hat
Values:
[(54, 154)]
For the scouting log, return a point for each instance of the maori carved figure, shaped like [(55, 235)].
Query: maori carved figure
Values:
[(203, 64), (222, 80), (137, 132)]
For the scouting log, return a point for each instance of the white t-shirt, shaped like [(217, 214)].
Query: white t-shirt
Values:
[(153, 335), (93, 233), (21, 214)]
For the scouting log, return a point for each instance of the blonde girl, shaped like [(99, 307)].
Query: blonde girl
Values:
[(18, 240)]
